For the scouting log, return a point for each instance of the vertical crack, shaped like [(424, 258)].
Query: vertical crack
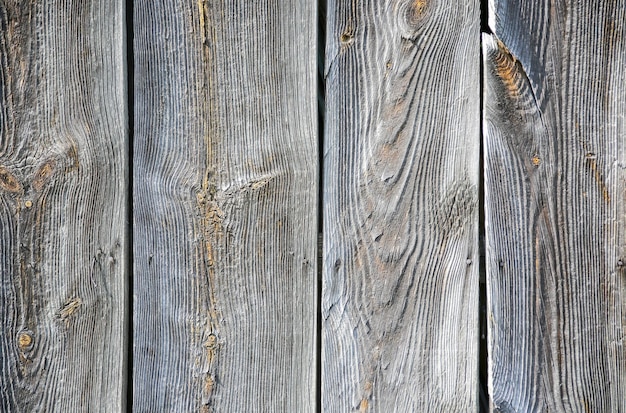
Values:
[(484, 17), (321, 103), (483, 348), (130, 99)]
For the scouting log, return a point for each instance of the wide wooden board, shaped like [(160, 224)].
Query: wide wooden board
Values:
[(63, 206), (555, 186), (225, 206), (401, 173)]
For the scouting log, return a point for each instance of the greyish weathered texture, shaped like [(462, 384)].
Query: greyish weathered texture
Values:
[(225, 206), (63, 162), (400, 295), (555, 169)]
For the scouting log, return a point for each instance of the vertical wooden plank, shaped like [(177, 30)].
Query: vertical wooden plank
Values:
[(225, 194), (63, 191), (555, 160), (400, 295)]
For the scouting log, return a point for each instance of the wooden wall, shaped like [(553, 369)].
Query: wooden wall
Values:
[(280, 206)]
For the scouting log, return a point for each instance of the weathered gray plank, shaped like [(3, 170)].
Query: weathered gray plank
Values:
[(225, 193), (63, 162), (555, 159), (400, 294)]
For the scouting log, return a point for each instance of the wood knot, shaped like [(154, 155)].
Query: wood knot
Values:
[(69, 308), (43, 174), (211, 342), (25, 340), (347, 37), (536, 160), (9, 182), (411, 15), (417, 10)]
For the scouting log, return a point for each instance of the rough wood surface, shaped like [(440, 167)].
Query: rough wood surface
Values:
[(63, 162), (555, 182), (225, 201), (400, 295)]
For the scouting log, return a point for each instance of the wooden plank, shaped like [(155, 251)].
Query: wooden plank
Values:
[(400, 295), (63, 197), (225, 194), (555, 186)]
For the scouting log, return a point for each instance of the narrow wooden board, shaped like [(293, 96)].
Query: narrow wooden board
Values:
[(63, 198), (555, 186), (400, 296), (225, 206)]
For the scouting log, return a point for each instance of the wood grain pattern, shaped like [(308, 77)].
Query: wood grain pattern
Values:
[(400, 295), (63, 197), (225, 203), (555, 186)]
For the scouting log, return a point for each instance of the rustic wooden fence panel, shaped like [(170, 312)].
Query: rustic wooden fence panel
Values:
[(226, 175), (400, 295), (225, 221), (555, 160), (63, 197)]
